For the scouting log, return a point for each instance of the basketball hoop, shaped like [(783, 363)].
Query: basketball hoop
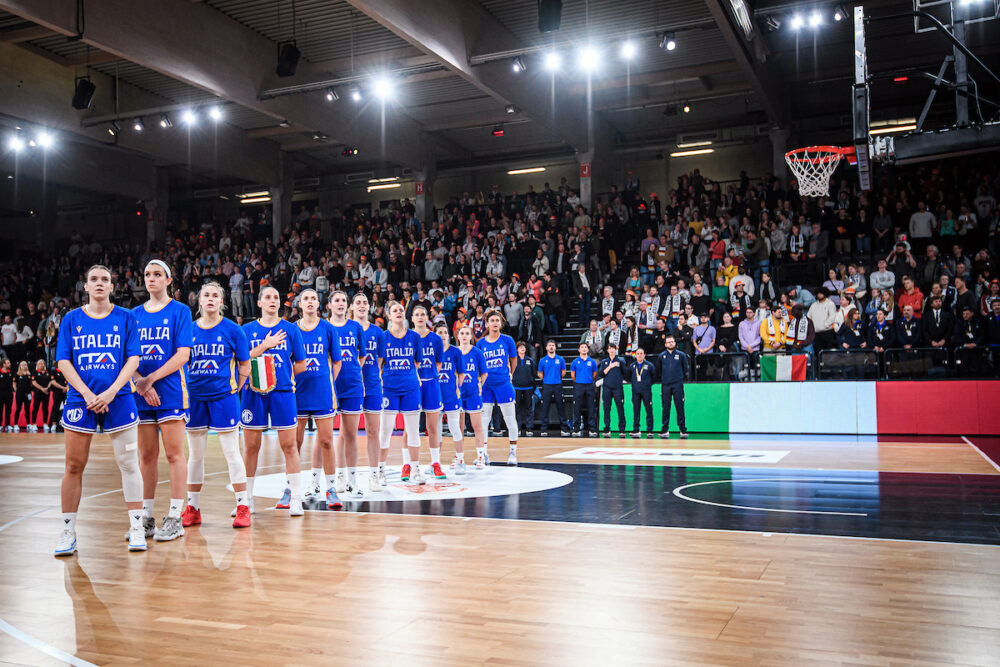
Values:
[(814, 165)]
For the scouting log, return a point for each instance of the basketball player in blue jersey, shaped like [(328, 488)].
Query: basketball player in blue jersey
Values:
[(401, 389), (219, 365), (97, 352), (279, 339), (350, 394), (473, 369), (373, 346), (161, 396), (501, 359), (314, 395), (449, 378), (432, 350)]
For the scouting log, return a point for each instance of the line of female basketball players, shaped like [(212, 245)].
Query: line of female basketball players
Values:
[(151, 374)]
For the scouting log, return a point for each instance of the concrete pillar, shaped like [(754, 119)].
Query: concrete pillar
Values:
[(281, 198), (423, 200), (779, 146), (596, 164), (156, 209), (328, 200)]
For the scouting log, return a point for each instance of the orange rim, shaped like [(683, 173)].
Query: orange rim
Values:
[(823, 154)]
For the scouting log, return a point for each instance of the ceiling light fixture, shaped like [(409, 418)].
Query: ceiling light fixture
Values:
[(668, 42), (331, 95), (526, 170), (138, 125), (700, 151), (384, 186)]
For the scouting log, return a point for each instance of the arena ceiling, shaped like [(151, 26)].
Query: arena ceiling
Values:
[(451, 64)]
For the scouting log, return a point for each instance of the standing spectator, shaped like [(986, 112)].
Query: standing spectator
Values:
[(673, 372), (22, 390), (773, 330), (823, 314), (937, 323), (530, 333), (551, 369), (641, 374), (908, 329), (883, 278), (236, 291), (964, 297), (582, 285), (969, 335), (800, 333), (911, 296), (583, 371), (882, 333), (703, 336), (922, 225), (612, 374), (6, 396), (593, 339), (40, 386), (523, 379)]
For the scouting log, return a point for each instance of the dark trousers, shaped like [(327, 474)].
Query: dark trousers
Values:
[(524, 407), (583, 399), (642, 398), (6, 405), (825, 340), (616, 394), (583, 316), (553, 392), (39, 407), (58, 398), (675, 391)]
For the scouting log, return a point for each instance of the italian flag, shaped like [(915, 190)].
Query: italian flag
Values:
[(783, 367), (262, 377)]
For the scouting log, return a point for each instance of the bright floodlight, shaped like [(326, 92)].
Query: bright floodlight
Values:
[(355, 93), (815, 19), (45, 140), (215, 113), (382, 87), (552, 61), (797, 22), (189, 117), (628, 50), (15, 143), (589, 59)]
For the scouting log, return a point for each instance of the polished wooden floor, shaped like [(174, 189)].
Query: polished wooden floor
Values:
[(344, 588)]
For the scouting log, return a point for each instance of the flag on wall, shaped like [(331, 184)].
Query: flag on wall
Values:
[(783, 367), (262, 376)]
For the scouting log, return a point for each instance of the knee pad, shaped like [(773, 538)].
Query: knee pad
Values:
[(230, 443), (126, 445), (487, 418), (197, 443), (385, 429), (455, 425), (510, 418), (412, 426)]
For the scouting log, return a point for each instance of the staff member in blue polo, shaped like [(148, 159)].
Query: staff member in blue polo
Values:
[(673, 370), (641, 374), (551, 369), (583, 369), (612, 371)]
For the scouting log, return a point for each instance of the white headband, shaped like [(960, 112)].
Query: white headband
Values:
[(160, 263)]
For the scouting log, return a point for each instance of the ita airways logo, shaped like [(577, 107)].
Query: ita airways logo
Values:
[(312, 363), (494, 481), (151, 350), (97, 358), (204, 366), (74, 414)]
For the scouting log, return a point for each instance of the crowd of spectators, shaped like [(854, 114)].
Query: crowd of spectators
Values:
[(739, 266)]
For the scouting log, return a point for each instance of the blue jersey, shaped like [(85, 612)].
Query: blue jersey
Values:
[(215, 353), (451, 366), (498, 357), (98, 348), (432, 349), (551, 369), (284, 353), (349, 383), (474, 364), (585, 370), (402, 356), (161, 333), (314, 385), (373, 346)]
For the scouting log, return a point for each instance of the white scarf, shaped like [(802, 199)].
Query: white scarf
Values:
[(799, 330), (676, 304), (796, 242), (770, 326)]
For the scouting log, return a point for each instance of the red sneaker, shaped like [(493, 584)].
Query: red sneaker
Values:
[(405, 475), (438, 473), (190, 516), (242, 519)]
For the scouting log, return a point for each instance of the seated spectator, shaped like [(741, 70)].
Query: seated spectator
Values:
[(968, 332), (594, 340), (993, 326)]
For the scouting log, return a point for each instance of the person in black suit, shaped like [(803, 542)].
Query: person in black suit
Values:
[(937, 323)]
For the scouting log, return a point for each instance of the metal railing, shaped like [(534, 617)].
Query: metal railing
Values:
[(723, 367)]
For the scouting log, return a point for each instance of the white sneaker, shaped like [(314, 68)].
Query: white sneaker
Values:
[(17, 429), (480, 463), (170, 529), (460, 467), (512, 459), (381, 478), (313, 492), (354, 489), (374, 484), (418, 475), (66, 545), (295, 507), (250, 503), (340, 483), (137, 539)]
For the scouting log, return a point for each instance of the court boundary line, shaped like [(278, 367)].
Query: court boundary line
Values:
[(982, 453), (677, 492)]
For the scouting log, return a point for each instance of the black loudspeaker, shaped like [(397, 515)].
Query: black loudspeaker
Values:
[(549, 15), (84, 94), (288, 59)]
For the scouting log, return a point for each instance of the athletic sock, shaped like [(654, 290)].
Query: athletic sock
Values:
[(249, 487), (351, 474), (435, 455), (295, 485), (381, 466), (135, 519), (194, 499), (175, 508), (316, 473), (69, 520), (479, 451), (406, 456), (147, 506), (241, 498), (288, 481), (513, 448)]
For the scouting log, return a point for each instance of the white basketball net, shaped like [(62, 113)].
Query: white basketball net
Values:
[(813, 166)]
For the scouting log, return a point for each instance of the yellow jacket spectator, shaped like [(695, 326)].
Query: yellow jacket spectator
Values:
[(774, 330)]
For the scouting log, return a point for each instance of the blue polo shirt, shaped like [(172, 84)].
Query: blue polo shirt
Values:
[(551, 369), (584, 369)]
